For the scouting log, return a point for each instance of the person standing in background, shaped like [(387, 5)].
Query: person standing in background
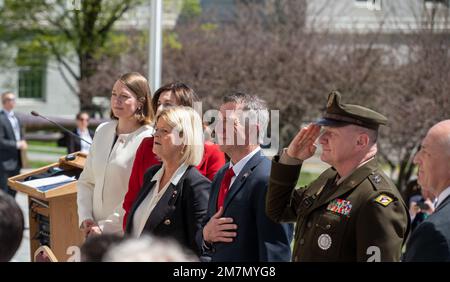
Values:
[(12, 142), (430, 241), (74, 144)]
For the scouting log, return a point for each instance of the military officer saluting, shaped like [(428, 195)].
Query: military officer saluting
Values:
[(352, 211)]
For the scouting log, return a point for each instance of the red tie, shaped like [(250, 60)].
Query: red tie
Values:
[(224, 187)]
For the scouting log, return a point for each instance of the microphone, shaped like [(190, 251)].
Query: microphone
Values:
[(59, 126)]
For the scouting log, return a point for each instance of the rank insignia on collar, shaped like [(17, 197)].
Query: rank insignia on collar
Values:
[(340, 206), (384, 200), (377, 178)]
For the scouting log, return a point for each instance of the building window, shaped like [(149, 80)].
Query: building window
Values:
[(32, 82), (430, 3), (373, 5)]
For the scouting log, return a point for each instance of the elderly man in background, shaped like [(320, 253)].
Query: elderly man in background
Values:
[(431, 239)]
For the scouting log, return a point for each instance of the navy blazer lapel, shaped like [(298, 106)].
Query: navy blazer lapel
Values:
[(162, 208), (141, 196), (166, 204), (8, 125), (243, 175)]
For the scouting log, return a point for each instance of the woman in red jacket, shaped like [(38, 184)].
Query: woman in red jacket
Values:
[(172, 94)]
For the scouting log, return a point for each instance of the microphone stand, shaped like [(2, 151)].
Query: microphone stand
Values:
[(60, 126)]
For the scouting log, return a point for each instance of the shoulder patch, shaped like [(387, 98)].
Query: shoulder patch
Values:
[(384, 200)]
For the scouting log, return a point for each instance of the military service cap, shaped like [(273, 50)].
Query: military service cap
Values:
[(338, 114)]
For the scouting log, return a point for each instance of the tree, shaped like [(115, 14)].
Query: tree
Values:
[(72, 32), (267, 50), (417, 92)]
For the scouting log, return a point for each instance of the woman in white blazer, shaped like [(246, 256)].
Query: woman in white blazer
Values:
[(104, 181)]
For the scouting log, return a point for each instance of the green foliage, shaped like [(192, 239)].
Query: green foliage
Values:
[(170, 40), (117, 43), (208, 27), (190, 10), (57, 29)]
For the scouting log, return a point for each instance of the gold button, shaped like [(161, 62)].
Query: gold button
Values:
[(167, 222), (328, 226)]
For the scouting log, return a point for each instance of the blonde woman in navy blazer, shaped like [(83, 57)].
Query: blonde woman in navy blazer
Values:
[(174, 196)]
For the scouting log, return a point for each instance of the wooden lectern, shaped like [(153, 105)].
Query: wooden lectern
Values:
[(53, 214)]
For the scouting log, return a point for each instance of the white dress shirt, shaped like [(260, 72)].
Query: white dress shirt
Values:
[(442, 196), (86, 136), (146, 207), (14, 124), (237, 168)]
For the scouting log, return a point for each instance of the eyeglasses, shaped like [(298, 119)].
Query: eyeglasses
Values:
[(9, 99), (162, 131)]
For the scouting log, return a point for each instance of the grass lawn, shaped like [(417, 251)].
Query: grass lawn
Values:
[(46, 147), (43, 143), (54, 151), (38, 164)]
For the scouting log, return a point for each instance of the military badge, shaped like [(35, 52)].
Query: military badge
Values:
[(324, 242), (340, 206), (384, 200), (377, 178)]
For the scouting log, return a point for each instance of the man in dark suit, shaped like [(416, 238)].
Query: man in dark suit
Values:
[(236, 227), (11, 142), (431, 239)]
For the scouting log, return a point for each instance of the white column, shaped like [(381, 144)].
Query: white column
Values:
[(155, 44)]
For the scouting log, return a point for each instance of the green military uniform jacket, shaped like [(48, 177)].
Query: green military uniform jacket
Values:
[(361, 219)]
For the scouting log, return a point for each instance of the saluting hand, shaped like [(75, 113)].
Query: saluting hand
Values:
[(302, 147), (219, 229)]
